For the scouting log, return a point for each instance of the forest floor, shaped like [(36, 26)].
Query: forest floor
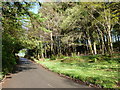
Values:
[(98, 70)]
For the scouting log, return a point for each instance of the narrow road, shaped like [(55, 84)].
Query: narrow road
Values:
[(31, 75)]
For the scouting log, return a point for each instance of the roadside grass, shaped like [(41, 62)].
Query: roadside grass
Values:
[(92, 69)]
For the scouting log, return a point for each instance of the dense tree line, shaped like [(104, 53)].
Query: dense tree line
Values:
[(62, 28), (14, 15), (82, 27)]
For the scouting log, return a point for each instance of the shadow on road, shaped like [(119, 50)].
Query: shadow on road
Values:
[(30, 75), (24, 65)]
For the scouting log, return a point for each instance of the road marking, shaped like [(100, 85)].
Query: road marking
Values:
[(50, 85)]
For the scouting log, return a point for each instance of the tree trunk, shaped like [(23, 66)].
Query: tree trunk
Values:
[(51, 42), (94, 46), (90, 46), (45, 52), (103, 45), (109, 27), (41, 47), (110, 45), (102, 41)]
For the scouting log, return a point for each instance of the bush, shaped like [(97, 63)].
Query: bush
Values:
[(60, 56), (8, 62), (53, 57)]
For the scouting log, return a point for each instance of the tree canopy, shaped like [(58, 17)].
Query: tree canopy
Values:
[(60, 28)]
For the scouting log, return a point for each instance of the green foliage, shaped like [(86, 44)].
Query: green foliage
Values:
[(8, 57), (8, 62), (13, 17), (61, 56), (47, 59), (53, 57), (44, 29), (60, 27)]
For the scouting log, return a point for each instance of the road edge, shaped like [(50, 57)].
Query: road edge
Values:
[(75, 80)]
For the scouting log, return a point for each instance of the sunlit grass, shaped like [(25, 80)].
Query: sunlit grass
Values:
[(101, 73)]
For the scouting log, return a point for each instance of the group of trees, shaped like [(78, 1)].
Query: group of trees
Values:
[(94, 24), (13, 19), (60, 28), (80, 28)]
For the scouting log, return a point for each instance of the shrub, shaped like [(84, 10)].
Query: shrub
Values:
[(53, 57)]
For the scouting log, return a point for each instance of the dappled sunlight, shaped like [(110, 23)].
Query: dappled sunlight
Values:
[(78, 39)]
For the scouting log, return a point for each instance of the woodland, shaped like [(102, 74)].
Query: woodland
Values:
[(62, 35)]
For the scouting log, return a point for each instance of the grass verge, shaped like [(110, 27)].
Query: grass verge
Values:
[(90, 69)]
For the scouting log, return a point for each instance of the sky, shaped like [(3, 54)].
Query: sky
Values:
[(36, 8)]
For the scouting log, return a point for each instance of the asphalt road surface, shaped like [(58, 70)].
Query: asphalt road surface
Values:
[(31, 75)]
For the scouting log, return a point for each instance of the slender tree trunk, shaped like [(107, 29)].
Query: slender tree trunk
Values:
[(45, 51), (89, 41), (90, 46), (41, 47), (103, 45), (108, 29), (110, 45), (94, 46), (102, 41), (87, 49), (51, 42), (59, 44)]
